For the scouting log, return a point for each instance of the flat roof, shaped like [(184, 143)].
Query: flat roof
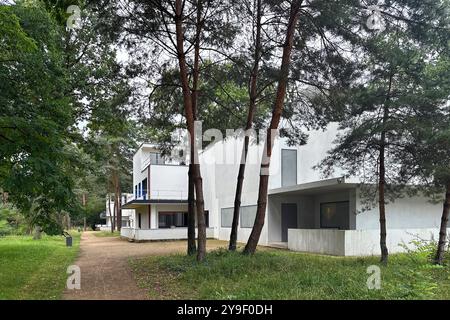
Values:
[(314, 187), (134, 204)]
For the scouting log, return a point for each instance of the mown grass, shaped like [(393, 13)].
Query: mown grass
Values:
[(105, 234), (35, 269), (279, 274)]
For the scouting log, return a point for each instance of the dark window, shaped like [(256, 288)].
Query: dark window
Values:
[(288, 167), (139, 220), (139, 190), (135, 191), (334, 215), (207, 218), (144, 188), (172, 219)]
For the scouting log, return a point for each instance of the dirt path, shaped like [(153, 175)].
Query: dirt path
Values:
[(105, 273)]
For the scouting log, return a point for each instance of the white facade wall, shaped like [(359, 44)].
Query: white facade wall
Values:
[(357, 242), (169, 182), (159, 234), (408, 212), (220, 166)]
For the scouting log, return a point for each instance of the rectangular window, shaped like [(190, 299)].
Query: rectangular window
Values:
[(247, 215), (334, 215), (139, 190), (226, 217), (135, 191), (172, 219), (288, 167), (139, 220), (156, 158), (144, 188), (207, 218)]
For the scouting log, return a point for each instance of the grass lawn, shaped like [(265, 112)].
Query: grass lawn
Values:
[(107, 234), (35, 269), (280, 274)]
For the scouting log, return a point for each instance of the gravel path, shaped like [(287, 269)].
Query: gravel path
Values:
[(105, 272)]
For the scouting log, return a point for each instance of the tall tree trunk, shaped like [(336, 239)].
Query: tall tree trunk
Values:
[(191, 245), (110, 213), (251, 111), (192, 248), (253, 240), (382, 204), (382, 178), (118, 201), (113, 218), (187, 99), (84, 205), (443, 231)]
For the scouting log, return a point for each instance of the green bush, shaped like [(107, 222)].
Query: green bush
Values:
[(11, 221)]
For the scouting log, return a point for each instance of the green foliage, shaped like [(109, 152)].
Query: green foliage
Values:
[(12, 222), (34, 118)]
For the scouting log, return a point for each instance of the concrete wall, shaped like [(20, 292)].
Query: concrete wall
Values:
[(409, 212), (322, 241), (356, 242), (168, 182), (159, 234)]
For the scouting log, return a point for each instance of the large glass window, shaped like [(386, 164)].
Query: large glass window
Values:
[(334, 215), (247, 217), (247, 214), (226, 217), (172, 219)]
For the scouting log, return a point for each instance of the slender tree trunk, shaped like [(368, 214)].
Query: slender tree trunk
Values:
[(118, 201), (382, 206), (252, 242), (192, 248), (113, 219), (187, 99), (443, 231), (110, 213), (382, 178), (84, 205), (251, 111)]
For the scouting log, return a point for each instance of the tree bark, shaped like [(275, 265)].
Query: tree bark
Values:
[(187, 100), (191, 245), (84, 205), (113, 218), (110, 212), (192, 248), (252, 242), (382, 184), (251, 111), (443, 231)]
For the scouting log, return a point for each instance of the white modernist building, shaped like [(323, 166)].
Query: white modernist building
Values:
[(304, 212), (127, 214)]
